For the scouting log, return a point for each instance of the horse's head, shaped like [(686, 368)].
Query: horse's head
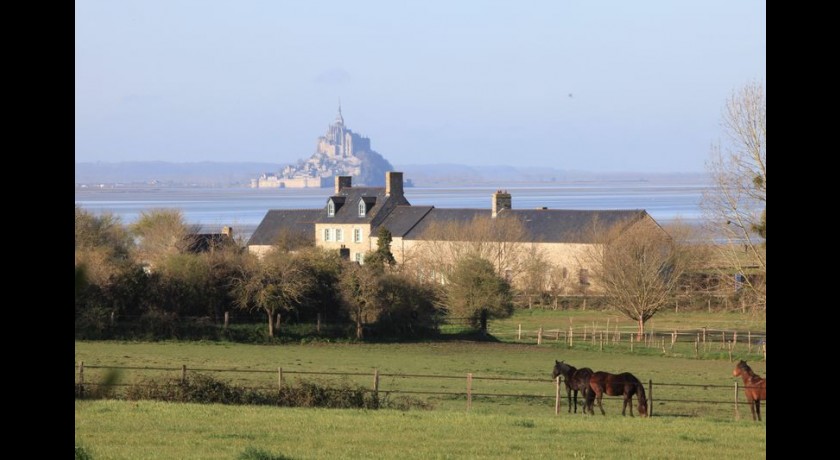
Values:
[(558, 369), (642, 407), (740, 368)]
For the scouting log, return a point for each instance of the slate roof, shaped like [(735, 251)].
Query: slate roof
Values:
[(403, 218), (348, 213), (275, 220), (542, 225)]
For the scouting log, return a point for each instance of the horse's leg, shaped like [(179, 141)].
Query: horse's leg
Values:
[(588, 400), (630, 404), (598, 397), (752, 406), (575, 398), (585, 395), (758, 408), (569, 396)]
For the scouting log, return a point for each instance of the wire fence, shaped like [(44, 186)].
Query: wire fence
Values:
[(660, 395)]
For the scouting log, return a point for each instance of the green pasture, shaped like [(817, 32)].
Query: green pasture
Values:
[(154, 430), (693, 397), (419, 369)]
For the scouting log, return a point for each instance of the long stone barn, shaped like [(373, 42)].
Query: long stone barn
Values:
[(429, 238)]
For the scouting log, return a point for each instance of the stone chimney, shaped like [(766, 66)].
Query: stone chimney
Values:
[(501, 200), (394, 184), (342, 182), (227, 231)]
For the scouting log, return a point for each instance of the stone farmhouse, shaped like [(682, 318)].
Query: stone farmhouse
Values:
[(351, 217)]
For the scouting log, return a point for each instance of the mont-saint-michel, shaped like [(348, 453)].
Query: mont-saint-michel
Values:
[(339, 152)]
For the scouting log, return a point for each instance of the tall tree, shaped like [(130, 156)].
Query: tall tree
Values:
[(474, 289), (638, 268), (161, 233), (736, 205), (275, 283), (382, 256), (501, 241), (361, 294)]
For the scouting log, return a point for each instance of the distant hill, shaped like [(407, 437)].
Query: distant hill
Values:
[(205, 173), (239, 174)]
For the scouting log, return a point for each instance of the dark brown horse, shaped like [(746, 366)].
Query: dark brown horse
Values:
[(576, 380), (624, 384), (755, 387)]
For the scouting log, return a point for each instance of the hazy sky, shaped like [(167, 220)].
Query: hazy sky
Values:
[(583, 85)]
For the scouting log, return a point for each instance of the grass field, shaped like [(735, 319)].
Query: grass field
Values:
[(687, 422), (153, 430)]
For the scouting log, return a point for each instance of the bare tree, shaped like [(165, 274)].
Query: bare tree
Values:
[(361, 292), (736, 205), (536, 276), (637, 266), (161, 233), (557, 279), (500, 241), (102, 245), (272, 284)]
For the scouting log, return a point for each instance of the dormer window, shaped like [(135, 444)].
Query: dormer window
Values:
[(362, 208), (330, 209)]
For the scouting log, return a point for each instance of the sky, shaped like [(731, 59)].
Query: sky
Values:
[(607, 86)]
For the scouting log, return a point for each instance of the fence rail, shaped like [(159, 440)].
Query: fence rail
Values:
[(468, 392)]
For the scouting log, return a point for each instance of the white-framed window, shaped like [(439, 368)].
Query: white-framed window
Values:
[(362, 208), (330, 209), (360, 258), (357, 235), (338, 235), (326, 234), (583, 276)]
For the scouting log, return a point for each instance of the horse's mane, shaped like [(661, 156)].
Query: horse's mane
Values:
[(640, 388), (746, 368)]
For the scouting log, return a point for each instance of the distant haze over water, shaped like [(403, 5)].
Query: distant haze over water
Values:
[(244, 208)]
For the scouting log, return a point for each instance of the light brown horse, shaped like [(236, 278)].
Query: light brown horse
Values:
[(755, 387), (624, 384)]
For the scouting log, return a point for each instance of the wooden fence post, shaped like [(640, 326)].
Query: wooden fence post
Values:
[(722, 339), (749, 341), (81, 379), (602, 341), (735, 339), (650, 399), (183, 374), (730, 351), (571, 336), (376, 388), (519, 333), (697, 346), (704, 339), (764, 349), (557, 395), (318, 323), (630, 338), (737, 414), (539, 336), (112, 317), (227, 319), (469, 390), (557, 336)]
